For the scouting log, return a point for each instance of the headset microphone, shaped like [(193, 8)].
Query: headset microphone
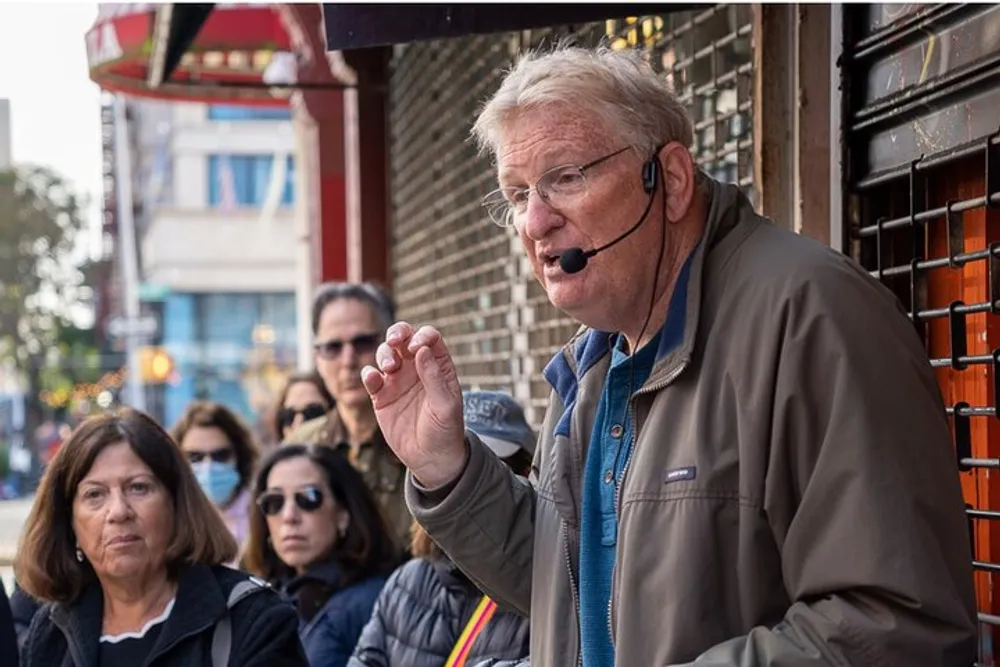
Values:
[(574, 260)]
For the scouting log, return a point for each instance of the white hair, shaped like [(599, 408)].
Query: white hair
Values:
[(618, 88)]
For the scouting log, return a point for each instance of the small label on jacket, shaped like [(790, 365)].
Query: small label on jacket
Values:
[(678, 474)]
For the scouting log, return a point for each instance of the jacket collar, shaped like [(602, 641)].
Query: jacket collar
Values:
[(327, 572), (450, 575), (199, 603), (336, 433), (311, 590)]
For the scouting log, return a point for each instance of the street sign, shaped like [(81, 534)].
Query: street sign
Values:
[(121, 327)]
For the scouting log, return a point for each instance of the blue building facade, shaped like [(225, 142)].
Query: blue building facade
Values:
[(237, 346)]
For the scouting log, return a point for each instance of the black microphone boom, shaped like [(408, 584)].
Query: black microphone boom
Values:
[(574, 260)]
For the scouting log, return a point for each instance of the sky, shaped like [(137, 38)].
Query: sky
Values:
[(55, 107)]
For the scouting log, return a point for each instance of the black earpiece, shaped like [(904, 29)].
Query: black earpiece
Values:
[(651, 174), (574, 260)]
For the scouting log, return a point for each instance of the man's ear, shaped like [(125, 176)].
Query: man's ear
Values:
[(680, 178)]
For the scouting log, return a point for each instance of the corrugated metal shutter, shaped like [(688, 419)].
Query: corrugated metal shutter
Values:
[(453, 268)]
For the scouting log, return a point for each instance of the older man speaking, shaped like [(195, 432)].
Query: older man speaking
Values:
[(746, 460)]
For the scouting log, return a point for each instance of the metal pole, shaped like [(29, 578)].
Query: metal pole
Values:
[(837, 152), (305, 175), (128, 252)]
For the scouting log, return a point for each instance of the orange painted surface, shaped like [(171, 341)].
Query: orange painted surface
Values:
[(974, 385)]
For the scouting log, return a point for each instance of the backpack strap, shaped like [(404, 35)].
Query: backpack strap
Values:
[(222, 636), (480, 617)]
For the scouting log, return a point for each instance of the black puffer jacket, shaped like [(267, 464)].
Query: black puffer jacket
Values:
[(420, 614)]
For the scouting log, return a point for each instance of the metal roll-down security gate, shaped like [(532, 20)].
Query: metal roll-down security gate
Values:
[(921, 137)]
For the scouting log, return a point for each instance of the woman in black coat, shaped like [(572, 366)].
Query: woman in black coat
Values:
[(125, 550)]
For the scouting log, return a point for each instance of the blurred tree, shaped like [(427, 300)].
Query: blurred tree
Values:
[(41, 285)]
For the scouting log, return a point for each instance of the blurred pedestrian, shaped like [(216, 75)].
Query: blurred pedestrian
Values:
[(304, 398)]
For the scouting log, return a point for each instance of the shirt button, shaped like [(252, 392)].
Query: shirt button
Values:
[(616, 431), (608, 476)]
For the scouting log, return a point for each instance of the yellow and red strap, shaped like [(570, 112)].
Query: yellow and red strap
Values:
[(480, 617)]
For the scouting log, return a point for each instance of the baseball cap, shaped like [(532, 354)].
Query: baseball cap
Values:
[(499, 422)]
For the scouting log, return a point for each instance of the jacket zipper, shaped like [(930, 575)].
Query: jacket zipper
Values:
[(628, 462), (573, 593)]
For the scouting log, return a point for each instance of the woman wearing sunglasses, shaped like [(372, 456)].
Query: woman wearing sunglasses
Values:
[(222, 454), (304, 398), (317, 535)]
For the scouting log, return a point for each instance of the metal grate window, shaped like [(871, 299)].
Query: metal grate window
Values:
[(922, 155), (451, 266)]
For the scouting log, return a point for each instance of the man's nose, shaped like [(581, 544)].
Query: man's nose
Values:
[(539, 218)]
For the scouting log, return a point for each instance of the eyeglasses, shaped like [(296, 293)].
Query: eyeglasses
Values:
[(557, 187), (286, 416), (363, 344), (221, 455), (308, 499)]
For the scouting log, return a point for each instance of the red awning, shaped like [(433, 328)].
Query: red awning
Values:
[(225, 64)]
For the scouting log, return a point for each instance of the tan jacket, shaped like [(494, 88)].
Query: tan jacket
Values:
[(792, 499), (382, 471)]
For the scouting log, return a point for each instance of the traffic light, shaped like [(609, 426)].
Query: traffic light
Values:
[(155, 365)]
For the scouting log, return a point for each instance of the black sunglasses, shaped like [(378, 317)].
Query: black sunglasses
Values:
[(308, 499), (362, 344), (221, 455), (286, 416)]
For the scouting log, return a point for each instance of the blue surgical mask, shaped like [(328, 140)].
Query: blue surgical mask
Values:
[(217, 480)]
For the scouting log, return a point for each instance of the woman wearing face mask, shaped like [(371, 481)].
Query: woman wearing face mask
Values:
[(317, 535), (222, 454)]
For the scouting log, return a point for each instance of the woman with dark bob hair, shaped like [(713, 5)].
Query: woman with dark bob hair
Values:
[(125, 550), (317, 534)]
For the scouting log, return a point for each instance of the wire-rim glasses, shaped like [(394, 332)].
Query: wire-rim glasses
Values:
[(556, 187)]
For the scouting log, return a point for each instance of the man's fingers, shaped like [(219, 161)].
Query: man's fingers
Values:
[(398, 337), (372, 380), (387, 358), (437, 373), (425, 336)]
